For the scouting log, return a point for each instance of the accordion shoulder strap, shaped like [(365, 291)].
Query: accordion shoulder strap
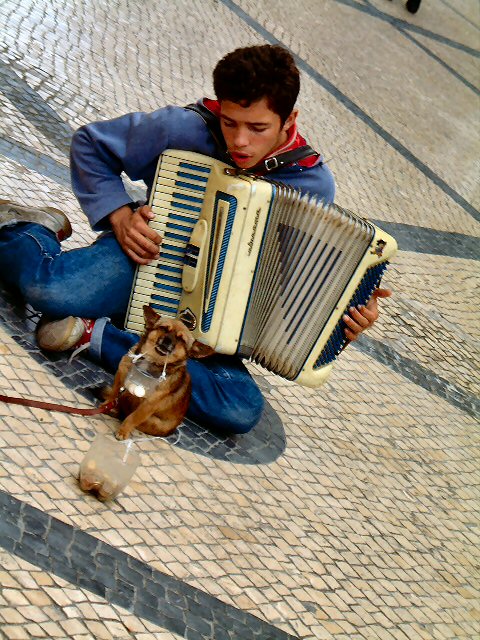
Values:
[(264, 166), (212, 123), (283, 159)]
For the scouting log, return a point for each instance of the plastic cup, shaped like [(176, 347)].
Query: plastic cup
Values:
[(108, 466)]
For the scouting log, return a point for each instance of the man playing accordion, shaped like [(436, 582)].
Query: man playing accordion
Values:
[(83, 293)]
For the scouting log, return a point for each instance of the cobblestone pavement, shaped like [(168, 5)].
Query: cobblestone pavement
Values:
[(352, 511)]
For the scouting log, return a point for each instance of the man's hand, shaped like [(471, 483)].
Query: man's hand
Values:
[(137, 239), (362, 317)]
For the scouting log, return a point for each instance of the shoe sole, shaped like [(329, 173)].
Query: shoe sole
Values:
[(53, 219), (51, 338)]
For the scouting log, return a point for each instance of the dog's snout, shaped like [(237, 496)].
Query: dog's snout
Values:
[(166, 344)]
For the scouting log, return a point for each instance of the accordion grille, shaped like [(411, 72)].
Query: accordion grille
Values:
[(309, 254), (337, 339)]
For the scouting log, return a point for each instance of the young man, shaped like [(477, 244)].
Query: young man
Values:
[(85, 292)]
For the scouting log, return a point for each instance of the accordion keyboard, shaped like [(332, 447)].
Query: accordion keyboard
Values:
[(176, 202)]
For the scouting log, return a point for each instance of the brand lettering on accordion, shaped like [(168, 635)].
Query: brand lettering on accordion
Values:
[(256, 268), (254, 231)]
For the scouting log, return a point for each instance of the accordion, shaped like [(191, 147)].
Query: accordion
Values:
[(255, 268)]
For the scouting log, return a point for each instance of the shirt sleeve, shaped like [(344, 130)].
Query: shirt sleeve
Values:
[(101, 151), (327, 185), (317, 180)]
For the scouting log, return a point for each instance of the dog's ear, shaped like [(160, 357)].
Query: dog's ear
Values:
[(199, 350), (151, 317)]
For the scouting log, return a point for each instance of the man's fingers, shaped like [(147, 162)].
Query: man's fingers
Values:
[(140, 219), (372, 303), (138, 248), (351, 335), (145, 212), (141, 253), (361, 318), (136, 258), (369, 311), (141, 244), (382, 293)]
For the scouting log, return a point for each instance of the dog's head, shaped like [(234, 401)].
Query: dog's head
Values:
[(167, 339)]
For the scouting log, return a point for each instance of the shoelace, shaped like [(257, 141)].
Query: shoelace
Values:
[(84, 341)]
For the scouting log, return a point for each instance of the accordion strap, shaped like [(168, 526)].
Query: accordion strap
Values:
[(283, 159), (213, 124), (264, 166)]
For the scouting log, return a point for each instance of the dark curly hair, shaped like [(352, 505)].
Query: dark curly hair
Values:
[(249, 74)]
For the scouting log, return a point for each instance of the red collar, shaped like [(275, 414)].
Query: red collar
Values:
[(294, 139)]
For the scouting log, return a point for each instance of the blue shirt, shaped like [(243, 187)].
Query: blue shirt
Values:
[(132, 143)]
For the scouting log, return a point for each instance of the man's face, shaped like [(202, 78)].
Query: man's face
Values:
[(253, 132)]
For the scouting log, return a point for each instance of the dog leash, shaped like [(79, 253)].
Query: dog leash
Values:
[(49, 406)]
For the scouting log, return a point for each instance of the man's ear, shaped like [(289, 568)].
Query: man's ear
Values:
[(290, 121), (151, 317), (200, 350)]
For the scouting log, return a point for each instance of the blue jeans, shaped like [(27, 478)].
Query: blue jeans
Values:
[(95, 282)]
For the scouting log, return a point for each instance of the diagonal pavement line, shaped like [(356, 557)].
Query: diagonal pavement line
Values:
[(34, 108), (432, 55), (431, 241), (121, 579), (452, 8), (419, 375), (359, 113), (35, 161), (396, 22)]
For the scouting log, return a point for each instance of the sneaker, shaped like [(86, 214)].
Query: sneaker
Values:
[(53, 219), (63, 335)]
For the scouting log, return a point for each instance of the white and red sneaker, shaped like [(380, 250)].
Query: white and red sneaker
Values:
[(66, 334)]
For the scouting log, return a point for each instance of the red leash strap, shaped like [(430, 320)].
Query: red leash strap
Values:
[(48, 406)]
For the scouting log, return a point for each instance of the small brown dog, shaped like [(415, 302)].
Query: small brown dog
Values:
[(163, 348)]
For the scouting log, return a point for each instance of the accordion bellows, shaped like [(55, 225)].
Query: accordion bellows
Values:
[(254, 268)]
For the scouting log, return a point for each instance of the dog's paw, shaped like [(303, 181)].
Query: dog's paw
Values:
[(122, 434)]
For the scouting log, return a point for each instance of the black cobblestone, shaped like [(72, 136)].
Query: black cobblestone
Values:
[(76, 556), (35, 526), (91, 584), (107, 577), (176, 599), (129, 575), (120, 598), (36, 111), (156, 590), (420, 375)]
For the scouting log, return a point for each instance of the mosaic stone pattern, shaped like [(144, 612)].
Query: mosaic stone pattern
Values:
[(351, 511)]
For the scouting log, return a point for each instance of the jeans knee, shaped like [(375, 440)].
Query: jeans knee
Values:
[(225, 397), (242, 418), (39, 295)]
